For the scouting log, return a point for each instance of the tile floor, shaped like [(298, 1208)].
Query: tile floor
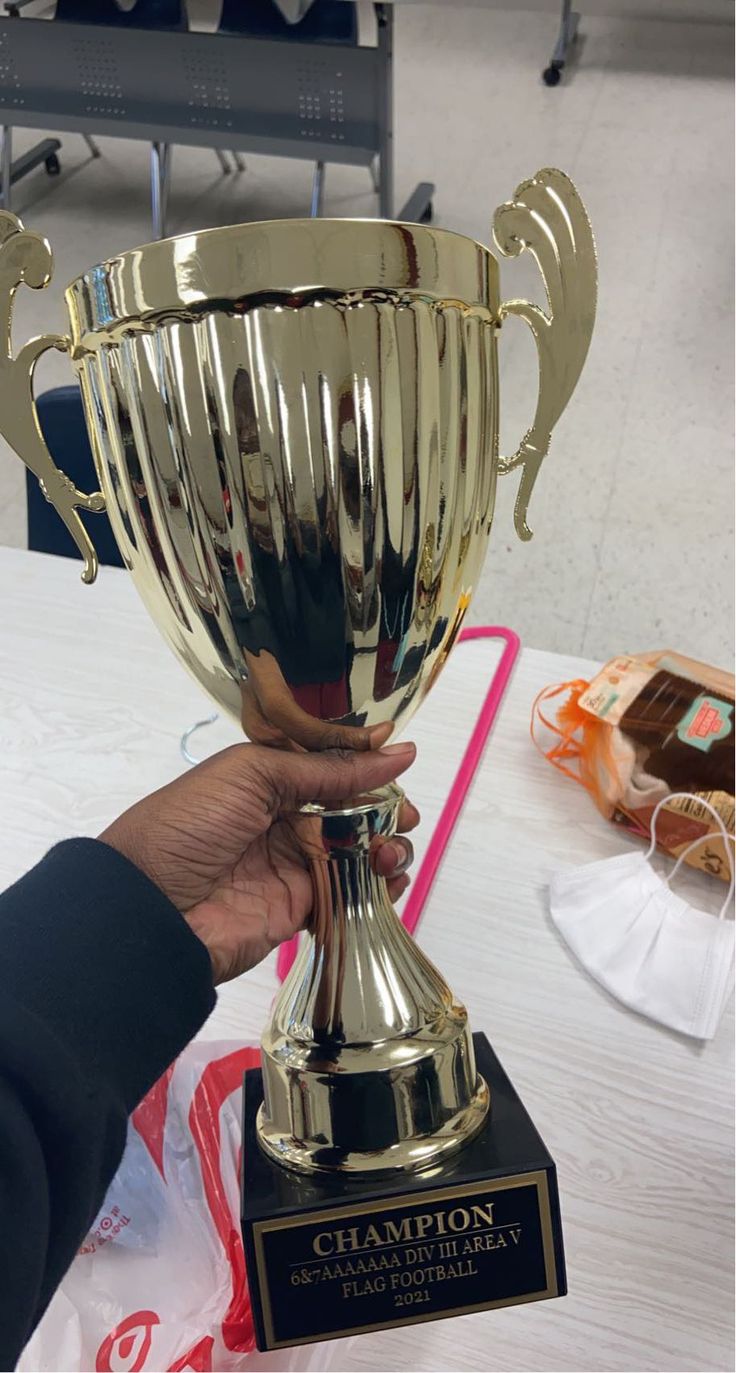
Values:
[(633, 511)]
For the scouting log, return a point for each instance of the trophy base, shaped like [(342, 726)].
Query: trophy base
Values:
[(330, 1255), (406, 1156)]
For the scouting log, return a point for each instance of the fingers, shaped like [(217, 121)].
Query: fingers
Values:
[(301, 777), (349, 736), (255, 725), (398, 886), (393, 857), (408, 817), (396, 855), (273, 714)]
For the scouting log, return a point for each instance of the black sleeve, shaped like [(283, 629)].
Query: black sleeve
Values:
[(102, 983)]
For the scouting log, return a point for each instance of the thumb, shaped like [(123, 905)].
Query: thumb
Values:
[(333, 776)]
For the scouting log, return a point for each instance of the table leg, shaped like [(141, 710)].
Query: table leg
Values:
[(568, 32), (158, 153), (318, 186)]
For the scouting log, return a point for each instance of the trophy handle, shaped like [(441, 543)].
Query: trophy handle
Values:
[(26, 257), (547, 217)]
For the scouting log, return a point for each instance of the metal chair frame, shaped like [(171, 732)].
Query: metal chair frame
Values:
[(327, 102)]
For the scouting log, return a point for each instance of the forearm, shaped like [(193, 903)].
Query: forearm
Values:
[(101, 985)]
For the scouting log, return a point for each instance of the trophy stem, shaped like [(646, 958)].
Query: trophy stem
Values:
[(368, 1063)]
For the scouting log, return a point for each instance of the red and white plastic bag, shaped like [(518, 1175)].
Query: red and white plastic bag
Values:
[(160, 1282)]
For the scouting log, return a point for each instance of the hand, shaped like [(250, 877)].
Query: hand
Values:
[(219, 842), (271, 714)]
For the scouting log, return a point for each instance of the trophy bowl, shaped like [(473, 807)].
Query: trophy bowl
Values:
[(295, 431)]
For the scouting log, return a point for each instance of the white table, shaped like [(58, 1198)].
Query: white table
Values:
[(638, 1119)]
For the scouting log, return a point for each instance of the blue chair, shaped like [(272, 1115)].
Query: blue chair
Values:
[(61, 416), (326, 21), (144, 14)]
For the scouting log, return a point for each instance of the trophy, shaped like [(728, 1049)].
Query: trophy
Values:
[(295, 432)]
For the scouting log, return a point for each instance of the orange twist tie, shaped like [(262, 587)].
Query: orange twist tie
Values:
[(583, 750)]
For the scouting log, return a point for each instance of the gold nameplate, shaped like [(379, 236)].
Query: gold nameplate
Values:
[(420, 1256)]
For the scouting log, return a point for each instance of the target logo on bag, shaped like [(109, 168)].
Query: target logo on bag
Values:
[(126, 1348)]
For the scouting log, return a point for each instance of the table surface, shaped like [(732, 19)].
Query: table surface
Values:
[(638, 1119)]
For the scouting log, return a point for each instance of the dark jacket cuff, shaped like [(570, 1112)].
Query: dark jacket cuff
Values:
[(107, 962)]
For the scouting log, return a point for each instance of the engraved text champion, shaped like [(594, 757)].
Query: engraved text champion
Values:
[(397, 1232)]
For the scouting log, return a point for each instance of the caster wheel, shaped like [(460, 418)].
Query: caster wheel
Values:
[(552, 76), (428, 215), (53, 165)]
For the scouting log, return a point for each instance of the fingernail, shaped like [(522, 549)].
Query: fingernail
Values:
[(393, 856), (395, 749), (403, 857)]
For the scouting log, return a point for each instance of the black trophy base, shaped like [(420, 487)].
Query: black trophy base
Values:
[(328, 1256)]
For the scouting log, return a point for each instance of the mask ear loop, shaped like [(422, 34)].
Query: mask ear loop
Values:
[(726, 837)]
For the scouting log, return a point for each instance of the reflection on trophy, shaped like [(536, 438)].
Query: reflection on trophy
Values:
[(295, 427)]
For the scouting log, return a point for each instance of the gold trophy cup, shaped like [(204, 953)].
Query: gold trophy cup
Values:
[(295, 431)]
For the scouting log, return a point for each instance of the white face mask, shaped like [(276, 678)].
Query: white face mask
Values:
[(648, 947)]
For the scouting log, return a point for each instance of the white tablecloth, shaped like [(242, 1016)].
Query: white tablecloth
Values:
[(638, 1119)]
